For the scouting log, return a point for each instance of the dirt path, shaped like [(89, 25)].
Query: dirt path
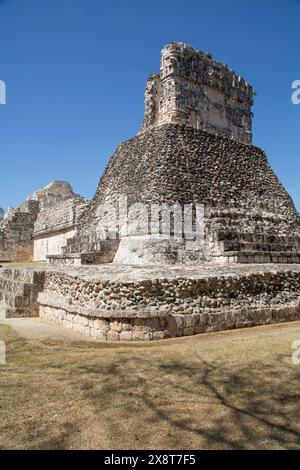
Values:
[(35, 328)]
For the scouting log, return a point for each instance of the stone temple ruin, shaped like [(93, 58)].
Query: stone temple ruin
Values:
[(189, 230), (41, 225)]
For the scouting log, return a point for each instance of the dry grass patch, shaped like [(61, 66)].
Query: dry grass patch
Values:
[(234, 390), (25, 264)]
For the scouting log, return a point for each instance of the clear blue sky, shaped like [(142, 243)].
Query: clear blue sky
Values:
[(76, 70)]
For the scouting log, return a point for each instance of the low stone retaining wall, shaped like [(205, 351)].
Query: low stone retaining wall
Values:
[(105, 325), (125, 303), (131, 326), (141, 306)]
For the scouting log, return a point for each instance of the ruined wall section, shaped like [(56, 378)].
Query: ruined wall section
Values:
[(52, 194), (38, 214), (16, 230), (55, 225), (152, 100), (62, 216), (195, 90)]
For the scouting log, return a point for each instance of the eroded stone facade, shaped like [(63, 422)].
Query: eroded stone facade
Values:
[(174, 164), (42, 223), (55, 225), (16, 229), (19, 290), (195, 90)]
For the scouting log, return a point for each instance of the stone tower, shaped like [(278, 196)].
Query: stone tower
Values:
[(195, 90)]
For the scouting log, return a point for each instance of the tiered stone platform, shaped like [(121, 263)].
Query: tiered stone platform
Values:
[(258, 248), (249, 216)]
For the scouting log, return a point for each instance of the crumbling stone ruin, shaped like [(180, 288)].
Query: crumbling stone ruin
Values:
[(16, 229), (41, 225), (56, 221), (229, 255)]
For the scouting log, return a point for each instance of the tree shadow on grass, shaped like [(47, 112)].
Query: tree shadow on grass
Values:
[(218, 406), (154, 400), (256, 410)]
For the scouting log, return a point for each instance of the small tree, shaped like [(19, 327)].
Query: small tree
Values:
[(1, 213)]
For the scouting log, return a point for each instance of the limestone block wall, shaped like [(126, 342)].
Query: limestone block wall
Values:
[(111, 326), (147, 328), (174, 163), (114, 303), (53, 208), (195, 90)]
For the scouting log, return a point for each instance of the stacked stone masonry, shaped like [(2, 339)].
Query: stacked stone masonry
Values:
[(16, 242), (55, 225), (118, 304)]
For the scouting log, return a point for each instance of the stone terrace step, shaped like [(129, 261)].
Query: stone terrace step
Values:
[(259, 247), (257, 257), (257, 238), (78, 259), (66, 259)]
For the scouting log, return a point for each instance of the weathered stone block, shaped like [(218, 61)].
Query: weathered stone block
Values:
[(112, 335)]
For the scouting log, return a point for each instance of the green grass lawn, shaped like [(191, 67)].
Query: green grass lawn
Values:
[(232, 390)]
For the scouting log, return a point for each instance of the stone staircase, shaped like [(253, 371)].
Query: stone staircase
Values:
[(19, 290), (80, 250), (237, 247)]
